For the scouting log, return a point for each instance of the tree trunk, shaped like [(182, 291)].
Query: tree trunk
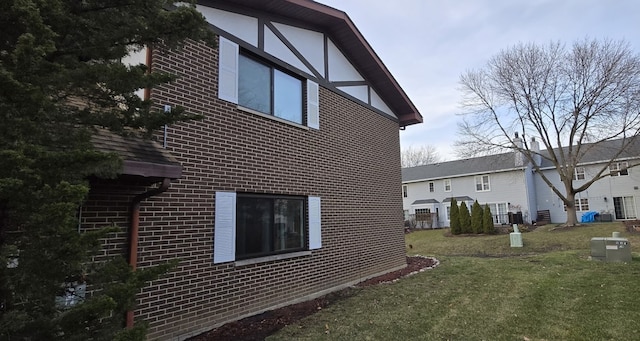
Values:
[(570, 204)]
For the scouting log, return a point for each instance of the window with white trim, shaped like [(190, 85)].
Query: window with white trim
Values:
[(432, 187), (422, 211), (405, 191), (578, 173), (257, 225), (447, 185), (261, 86), (619, 168), (482, 183), (582, 204), (625, 207), (499, 212)]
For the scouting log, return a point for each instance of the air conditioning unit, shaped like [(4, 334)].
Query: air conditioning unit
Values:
[(612, 249)]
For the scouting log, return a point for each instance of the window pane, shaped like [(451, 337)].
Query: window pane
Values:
[(289, 226), (254, 219), (502, 213), (268, 225), (287, 97), (254, 85), (629, 208)]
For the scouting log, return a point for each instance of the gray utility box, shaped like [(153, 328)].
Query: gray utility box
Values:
[(613, 249)]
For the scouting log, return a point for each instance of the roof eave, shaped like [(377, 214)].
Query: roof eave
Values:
[(151, 170)]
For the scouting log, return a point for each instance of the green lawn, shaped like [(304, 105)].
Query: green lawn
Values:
[(485, 290)]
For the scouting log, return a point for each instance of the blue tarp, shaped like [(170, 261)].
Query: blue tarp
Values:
[(589, 217)]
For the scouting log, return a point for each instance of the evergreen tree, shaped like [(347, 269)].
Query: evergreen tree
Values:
[(476, 218), (465, 218), (60, 77), (454, 218), (487, 221)]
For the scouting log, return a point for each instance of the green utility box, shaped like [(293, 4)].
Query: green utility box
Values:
[(598, 248), (614, 249)]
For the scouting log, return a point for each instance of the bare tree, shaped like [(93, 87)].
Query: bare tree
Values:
[(573, 100), (418, 156)]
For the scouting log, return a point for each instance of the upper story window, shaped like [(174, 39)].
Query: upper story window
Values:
[(578, 173), (266, 89), (619, 168), (432, 187), (482, 183), (447, 185), (405, 191)]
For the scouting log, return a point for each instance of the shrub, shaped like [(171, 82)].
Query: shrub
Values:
[(487, 221), (465, 218), (476, 218), (455, 218)]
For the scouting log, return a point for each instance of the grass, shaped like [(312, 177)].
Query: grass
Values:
[(486, 290)]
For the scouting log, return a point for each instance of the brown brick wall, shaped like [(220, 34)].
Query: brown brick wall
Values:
[(352, 163)]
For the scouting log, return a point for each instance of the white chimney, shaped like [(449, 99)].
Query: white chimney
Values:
[(535, 151), (517, 142)]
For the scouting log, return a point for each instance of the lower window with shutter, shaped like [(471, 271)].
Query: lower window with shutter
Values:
[(258, 225), (267, 225)]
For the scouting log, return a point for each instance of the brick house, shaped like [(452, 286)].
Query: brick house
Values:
[(285, 191)]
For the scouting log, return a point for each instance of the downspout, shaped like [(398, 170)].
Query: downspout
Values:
[(133, 231)]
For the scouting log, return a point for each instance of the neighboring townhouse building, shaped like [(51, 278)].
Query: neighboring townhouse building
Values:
[(615, 197), (514, 191), (499, 181), (285, 191)]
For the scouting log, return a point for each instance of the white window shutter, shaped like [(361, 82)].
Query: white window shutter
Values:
[(315, 235), (224, 236), (313, 105), (228, 70)]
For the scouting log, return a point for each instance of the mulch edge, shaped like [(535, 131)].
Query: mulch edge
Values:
[(258, 327)]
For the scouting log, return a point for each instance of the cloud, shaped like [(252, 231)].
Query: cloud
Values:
[(428, 44)]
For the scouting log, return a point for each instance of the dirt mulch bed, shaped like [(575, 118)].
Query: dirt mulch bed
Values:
[(258, 327), (632, 226)]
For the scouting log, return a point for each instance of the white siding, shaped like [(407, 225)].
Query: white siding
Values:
[(506, 187), (340, 69), (241, 26), (309, 43), (275, 47)]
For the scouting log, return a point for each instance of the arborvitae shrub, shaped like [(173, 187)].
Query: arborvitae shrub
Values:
[(454, 218), (465, 218), (487, 221), (476, 218)]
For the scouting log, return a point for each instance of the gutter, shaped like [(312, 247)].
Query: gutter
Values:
[(133, 231)]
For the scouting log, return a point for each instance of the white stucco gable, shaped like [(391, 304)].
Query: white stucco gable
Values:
[(310, 53)]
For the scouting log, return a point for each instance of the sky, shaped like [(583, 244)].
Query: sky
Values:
[(428, 44)]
